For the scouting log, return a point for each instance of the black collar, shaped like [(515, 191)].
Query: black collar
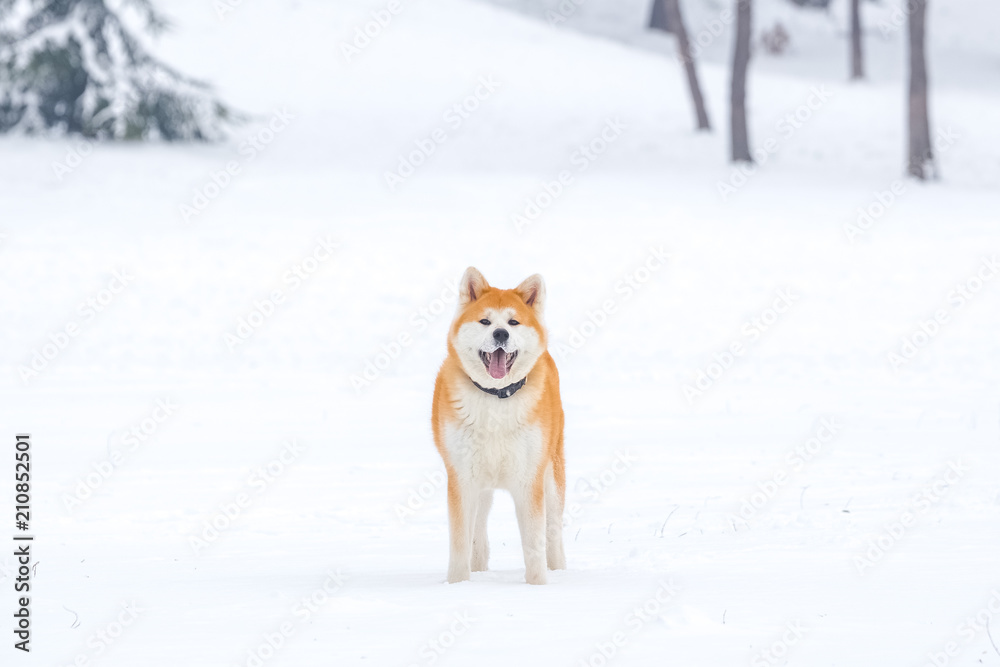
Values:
[(503, 392)]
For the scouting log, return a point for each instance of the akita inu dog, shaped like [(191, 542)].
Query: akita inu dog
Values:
[(498, 424)]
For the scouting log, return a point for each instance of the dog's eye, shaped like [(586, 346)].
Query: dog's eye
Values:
[(513, 323), (486, 322)]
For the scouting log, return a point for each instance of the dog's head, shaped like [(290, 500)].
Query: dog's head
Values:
[(498, 334)]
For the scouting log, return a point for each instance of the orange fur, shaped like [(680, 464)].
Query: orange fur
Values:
[(455, 401)]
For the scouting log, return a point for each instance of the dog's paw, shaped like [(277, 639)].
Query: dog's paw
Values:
[(555, 556), (480, 561), (535, 578)]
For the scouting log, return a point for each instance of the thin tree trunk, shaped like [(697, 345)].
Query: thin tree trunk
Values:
[(921, 158), (684, 51), (857, 55), (659, 18), (738, 93)]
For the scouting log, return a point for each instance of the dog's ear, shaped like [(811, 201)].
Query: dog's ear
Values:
[(471, 286), (532, 292)]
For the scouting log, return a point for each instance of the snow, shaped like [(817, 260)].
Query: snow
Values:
[(656, 482)]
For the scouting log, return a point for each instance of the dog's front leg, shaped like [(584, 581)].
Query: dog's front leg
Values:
[(480, 541), (461, 516), (529, 504)]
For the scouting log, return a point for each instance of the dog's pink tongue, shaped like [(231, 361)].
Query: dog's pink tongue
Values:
[(498, 364)]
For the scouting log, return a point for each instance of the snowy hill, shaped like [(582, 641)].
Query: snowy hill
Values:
[(259, 279)]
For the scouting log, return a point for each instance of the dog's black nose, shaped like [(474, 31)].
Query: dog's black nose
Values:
[(501, 335)]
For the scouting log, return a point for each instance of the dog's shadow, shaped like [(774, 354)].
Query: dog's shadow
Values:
[(512, 576), (413, 580)]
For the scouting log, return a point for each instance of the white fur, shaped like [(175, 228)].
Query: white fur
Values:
[(473, 338), (494, 446)]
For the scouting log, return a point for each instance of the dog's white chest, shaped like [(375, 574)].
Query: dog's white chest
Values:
[(492, 444)]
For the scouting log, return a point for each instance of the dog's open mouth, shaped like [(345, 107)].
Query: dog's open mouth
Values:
[(498, 362)]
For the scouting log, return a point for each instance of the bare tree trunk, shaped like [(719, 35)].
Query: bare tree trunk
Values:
[(921, 158), (738, 93), (684, 51), (857, 55), (659, 18)]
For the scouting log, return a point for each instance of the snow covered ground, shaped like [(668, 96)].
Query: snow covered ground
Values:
[(811, 500)]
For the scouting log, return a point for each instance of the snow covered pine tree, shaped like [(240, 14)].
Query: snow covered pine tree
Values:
[(72, 66)]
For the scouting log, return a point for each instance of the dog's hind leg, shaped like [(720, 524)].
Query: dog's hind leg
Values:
[(480, 541)]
